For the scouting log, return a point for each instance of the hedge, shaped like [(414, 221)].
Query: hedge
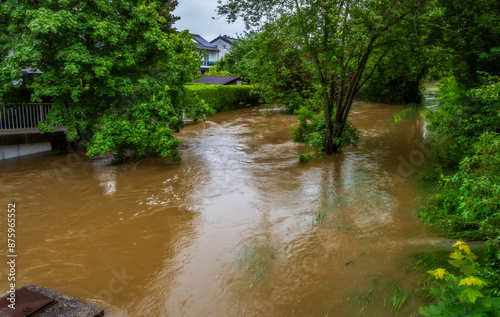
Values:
[(225, 97)]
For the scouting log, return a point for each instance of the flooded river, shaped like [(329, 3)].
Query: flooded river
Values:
[(239, 228)]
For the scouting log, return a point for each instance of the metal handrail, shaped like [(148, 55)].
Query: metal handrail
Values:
[(207, 63), (23, 117)]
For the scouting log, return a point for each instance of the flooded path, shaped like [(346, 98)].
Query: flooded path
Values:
[(239, 228)]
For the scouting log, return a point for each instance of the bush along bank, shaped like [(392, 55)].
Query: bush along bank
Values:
[(225, 97), (465, 202)]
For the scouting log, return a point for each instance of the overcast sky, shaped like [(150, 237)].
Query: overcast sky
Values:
[(196, 16)]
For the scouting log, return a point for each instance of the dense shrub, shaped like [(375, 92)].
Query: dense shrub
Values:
[(465, 131), (311, 129), (469, 200), (225, 97), (462, 118)]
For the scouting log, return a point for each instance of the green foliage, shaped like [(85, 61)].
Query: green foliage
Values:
[(491, 269), (467, 145), (412, 110), (217, 70), (461, 295), (465, 39), (462, 118), (339, 43), (165, 9), (470, 198), (397, 79), (105, 66), (307, 156), (269, 59), (383, 88), (225, 97), (235, 61), (311, 129)]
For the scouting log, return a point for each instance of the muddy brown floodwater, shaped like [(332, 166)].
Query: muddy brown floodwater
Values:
[(239, 228)]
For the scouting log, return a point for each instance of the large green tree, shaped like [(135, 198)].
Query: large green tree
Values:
[(165, 9), (271, 61), (114, 78), (342, 40), (465, 39)]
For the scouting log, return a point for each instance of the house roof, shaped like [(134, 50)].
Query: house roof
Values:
[(203, 44), (216, 80), (229, 40)]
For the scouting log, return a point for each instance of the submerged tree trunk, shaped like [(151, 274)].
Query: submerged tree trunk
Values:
[(334, 130), (329, 147)]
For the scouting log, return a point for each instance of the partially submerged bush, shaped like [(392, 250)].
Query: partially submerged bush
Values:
[(311, 129)]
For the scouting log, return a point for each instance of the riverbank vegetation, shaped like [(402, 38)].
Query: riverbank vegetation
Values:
[(223, 97), (460, 289), (315, 68), (463, 184)]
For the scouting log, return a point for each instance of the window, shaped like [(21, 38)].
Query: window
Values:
[(223, 46)]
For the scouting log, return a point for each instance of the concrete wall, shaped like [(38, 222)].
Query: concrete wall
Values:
[(20, 143), (11, 151)]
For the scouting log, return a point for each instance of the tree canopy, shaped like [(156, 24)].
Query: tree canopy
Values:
[(270, 60), (165, 9), (342, 42), (464, 39), (114, 77)]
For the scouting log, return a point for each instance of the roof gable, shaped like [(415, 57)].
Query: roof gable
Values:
[(225, 38), (203, 44)]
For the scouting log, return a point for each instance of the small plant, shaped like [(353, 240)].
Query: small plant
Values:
[(461, 295), (320, 216), (412, 110), (398, 298), (306, 157)]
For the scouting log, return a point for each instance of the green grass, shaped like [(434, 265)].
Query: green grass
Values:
[(254, 261), (398, 298), (389, 295), (433, 86)]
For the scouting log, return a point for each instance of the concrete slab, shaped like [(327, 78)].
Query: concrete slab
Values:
[(65, 306), (11, 151)]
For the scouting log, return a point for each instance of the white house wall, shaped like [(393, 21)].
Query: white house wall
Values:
[(213, 56), (220, 45)]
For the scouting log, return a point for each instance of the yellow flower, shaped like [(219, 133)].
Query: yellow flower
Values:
[(472, 280)]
